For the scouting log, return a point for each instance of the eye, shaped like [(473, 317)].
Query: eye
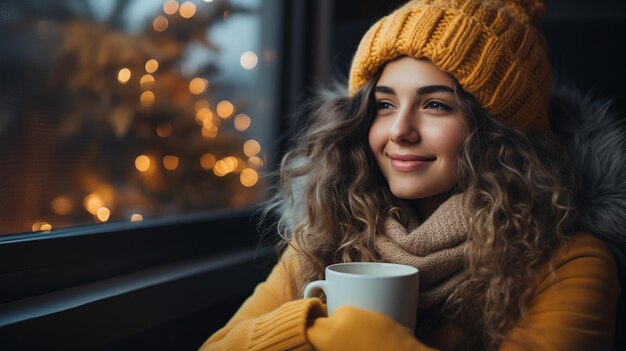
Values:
[(437, 106), (384, 105)]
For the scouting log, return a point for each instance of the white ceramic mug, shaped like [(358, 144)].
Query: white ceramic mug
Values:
[(387, 288)]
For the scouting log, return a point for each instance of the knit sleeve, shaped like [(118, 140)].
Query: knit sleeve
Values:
[(270, 319), (351, 328), (574, 308)]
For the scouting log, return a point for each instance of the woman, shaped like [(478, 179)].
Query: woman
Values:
[(440, 157)]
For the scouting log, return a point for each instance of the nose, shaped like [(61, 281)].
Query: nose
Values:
[(404, 129)]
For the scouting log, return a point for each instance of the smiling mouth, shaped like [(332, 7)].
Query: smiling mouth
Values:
[(410, 163)]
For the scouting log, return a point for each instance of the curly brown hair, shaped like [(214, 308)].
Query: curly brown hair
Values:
[(334, 201), (521, 210)]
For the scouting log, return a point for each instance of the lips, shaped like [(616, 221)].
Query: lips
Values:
[(409, 163)]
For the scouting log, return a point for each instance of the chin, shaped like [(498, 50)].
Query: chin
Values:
[(410, 193)]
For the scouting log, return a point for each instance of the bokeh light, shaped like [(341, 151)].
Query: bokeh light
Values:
[(164, 130), (242, 122), (152, 65), (41, 226), (93, 202), (170, 7), (160, 24), (136, 217), (103, 214), (248, 60), (187, 9), (207, 161), (170, 162), (231, 164), (209, 132), (251, 148), (248, 177), (123, 76), (197, 85), (225, 109), (241, 164), (147, 81), (142, 163), (147, 98), (255, 162), (221, 168), (204, 116)]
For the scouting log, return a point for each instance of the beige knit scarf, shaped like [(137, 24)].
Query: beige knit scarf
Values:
[(435, 247)]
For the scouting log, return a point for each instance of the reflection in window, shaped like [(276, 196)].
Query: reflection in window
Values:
[(132, 109)]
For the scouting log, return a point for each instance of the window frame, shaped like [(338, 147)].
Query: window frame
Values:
[(92, 286)]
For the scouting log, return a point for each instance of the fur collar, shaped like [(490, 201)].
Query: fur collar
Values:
[(594, 136)]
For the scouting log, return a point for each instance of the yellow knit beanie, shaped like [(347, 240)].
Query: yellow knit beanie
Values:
[(492, 47)]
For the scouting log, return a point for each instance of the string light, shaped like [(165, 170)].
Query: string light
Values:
[(170, 7), (152, 65), (248, 177), (92, 202), (241, 165), (209, 132), (255, 162), (207, 161), (248, 60), (147, 98), (242, 122), (164, 130), (103, 214), (170, 162), (231, 164), (136, 217), (160, 24), (41, 226), (225, 109), (197, 86), (147, 81), (204, 116), (220, 168), (187, 9), (207, 122), (142, 163), (123, 76), (251, 148)]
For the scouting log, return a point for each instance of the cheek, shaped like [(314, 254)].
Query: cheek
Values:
[(378, 136), (449, 137)]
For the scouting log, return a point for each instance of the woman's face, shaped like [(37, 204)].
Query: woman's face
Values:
[(418, 129)]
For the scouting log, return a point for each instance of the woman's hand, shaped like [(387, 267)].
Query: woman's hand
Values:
[(352, 328)]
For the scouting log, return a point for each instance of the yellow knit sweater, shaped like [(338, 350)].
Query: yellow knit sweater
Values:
[(571, 310)]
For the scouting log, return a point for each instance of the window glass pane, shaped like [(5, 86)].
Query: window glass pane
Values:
[(133, 109)]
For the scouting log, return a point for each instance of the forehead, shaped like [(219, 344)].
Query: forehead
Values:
[(413, 73)]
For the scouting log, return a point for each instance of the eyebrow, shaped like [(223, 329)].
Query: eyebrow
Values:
[(429, 89)]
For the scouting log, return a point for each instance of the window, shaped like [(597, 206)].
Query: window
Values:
[(121, 111)]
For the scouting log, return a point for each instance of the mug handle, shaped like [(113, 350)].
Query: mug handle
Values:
[(313, 286)]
